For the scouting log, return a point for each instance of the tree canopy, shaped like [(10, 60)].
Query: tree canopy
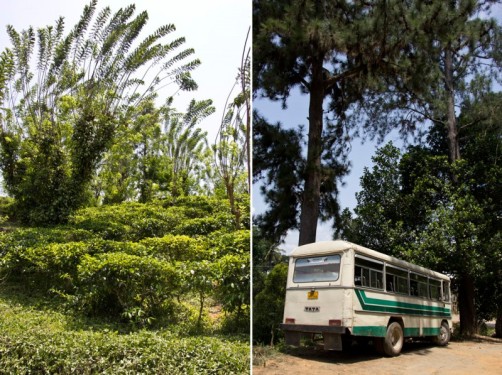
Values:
[(64, 95)]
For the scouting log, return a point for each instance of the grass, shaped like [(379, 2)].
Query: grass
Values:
[(263, 353), (37, 335)]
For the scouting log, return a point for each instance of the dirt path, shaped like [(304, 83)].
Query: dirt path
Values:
[(469, 357)]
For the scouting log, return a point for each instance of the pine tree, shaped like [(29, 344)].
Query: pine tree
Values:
[(330, 50)]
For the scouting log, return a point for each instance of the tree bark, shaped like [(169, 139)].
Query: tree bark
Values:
[(498, 323), (311, 194), (466, 292), (451, 124), (466, 306)]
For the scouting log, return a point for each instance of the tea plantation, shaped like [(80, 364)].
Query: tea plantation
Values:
[(159, 288)]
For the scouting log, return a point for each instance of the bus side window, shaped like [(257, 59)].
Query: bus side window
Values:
[(357, 276), (446, 291), (389, 283), (368, 273)]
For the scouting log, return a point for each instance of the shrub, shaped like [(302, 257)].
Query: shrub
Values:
[(268, 306), (105, 228), (110, 353), (100, 245), (234, 286), (35, 237), (199, 205), (45, 267), (205, 226), (42, 342), (223, 243), (136, 289), (176, 248)]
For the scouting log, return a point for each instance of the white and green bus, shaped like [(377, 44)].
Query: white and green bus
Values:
[(345, 291)]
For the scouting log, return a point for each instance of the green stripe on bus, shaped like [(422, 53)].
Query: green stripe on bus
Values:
[(374, 331), (397, 307), (381, 331)]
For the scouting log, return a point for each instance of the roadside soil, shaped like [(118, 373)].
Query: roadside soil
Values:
[(480, 356)]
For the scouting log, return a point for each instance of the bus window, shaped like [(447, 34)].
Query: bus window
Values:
[(368, 273), (418, 285), (446, 291), (325, 268), (435, 289), (396, 280)]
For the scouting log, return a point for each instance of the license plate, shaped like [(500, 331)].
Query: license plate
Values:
[(313, 294)]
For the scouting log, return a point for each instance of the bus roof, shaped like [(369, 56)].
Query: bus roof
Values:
[(329, 247)]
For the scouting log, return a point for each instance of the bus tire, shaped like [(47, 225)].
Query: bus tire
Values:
[(394, 339), (443, 338)]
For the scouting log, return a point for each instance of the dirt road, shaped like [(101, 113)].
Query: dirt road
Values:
[(468, 357)]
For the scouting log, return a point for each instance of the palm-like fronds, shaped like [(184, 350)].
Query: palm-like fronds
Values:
[(69, 90)]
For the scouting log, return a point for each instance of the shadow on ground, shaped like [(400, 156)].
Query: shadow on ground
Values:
[(356, 353)]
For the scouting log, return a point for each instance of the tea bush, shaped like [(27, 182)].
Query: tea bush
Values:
[(133, 288), (176, 248), (45, 267), (39, 342), (234, 287), (206, 225), (133, 260), (235, 242)]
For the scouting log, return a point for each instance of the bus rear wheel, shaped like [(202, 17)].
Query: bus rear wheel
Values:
[(394, 339), (443, 338)]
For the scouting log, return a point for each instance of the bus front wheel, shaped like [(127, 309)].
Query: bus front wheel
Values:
[(394, 339)]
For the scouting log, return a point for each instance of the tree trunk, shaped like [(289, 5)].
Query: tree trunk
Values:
[(466, 294), (498, 323), (311, 194), (451, 124), (466, 306)]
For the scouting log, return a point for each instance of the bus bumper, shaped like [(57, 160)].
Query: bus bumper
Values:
[(332, 335)]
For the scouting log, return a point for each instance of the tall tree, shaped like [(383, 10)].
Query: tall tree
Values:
[(449, 48), (60, 114), (232, 145), (185, 147), (330, 50), (412, 207)]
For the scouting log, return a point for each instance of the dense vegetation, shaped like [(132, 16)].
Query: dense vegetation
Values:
[(105, 292), (125, 238), (369, 68)]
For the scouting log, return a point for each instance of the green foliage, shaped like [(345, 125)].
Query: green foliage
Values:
[(61, 114), (233, 289), (268, 306), (232, 146), (125, 262), (46, 341), (223, 243), (134, 288), (278, 161), (176, 248), (159, 153), (51, 266), (185, 148), (128, 221), (205, 226)]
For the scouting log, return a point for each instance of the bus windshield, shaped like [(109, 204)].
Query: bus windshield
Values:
[(325, 268)]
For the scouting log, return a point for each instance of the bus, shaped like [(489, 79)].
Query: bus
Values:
[(344, 291)]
